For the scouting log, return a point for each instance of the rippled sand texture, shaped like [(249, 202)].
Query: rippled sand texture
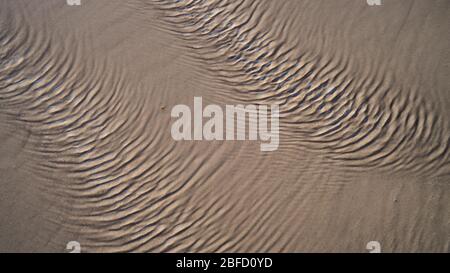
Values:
[(86, 153)]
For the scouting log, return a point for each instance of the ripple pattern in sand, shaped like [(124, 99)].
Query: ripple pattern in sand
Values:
[(363, 119)]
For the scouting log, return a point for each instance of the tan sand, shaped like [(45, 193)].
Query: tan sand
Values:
[(87, 155)]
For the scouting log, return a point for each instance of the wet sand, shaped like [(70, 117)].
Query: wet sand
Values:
[(86, 152)]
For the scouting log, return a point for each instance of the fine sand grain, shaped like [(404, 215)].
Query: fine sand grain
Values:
[(86, 152)]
